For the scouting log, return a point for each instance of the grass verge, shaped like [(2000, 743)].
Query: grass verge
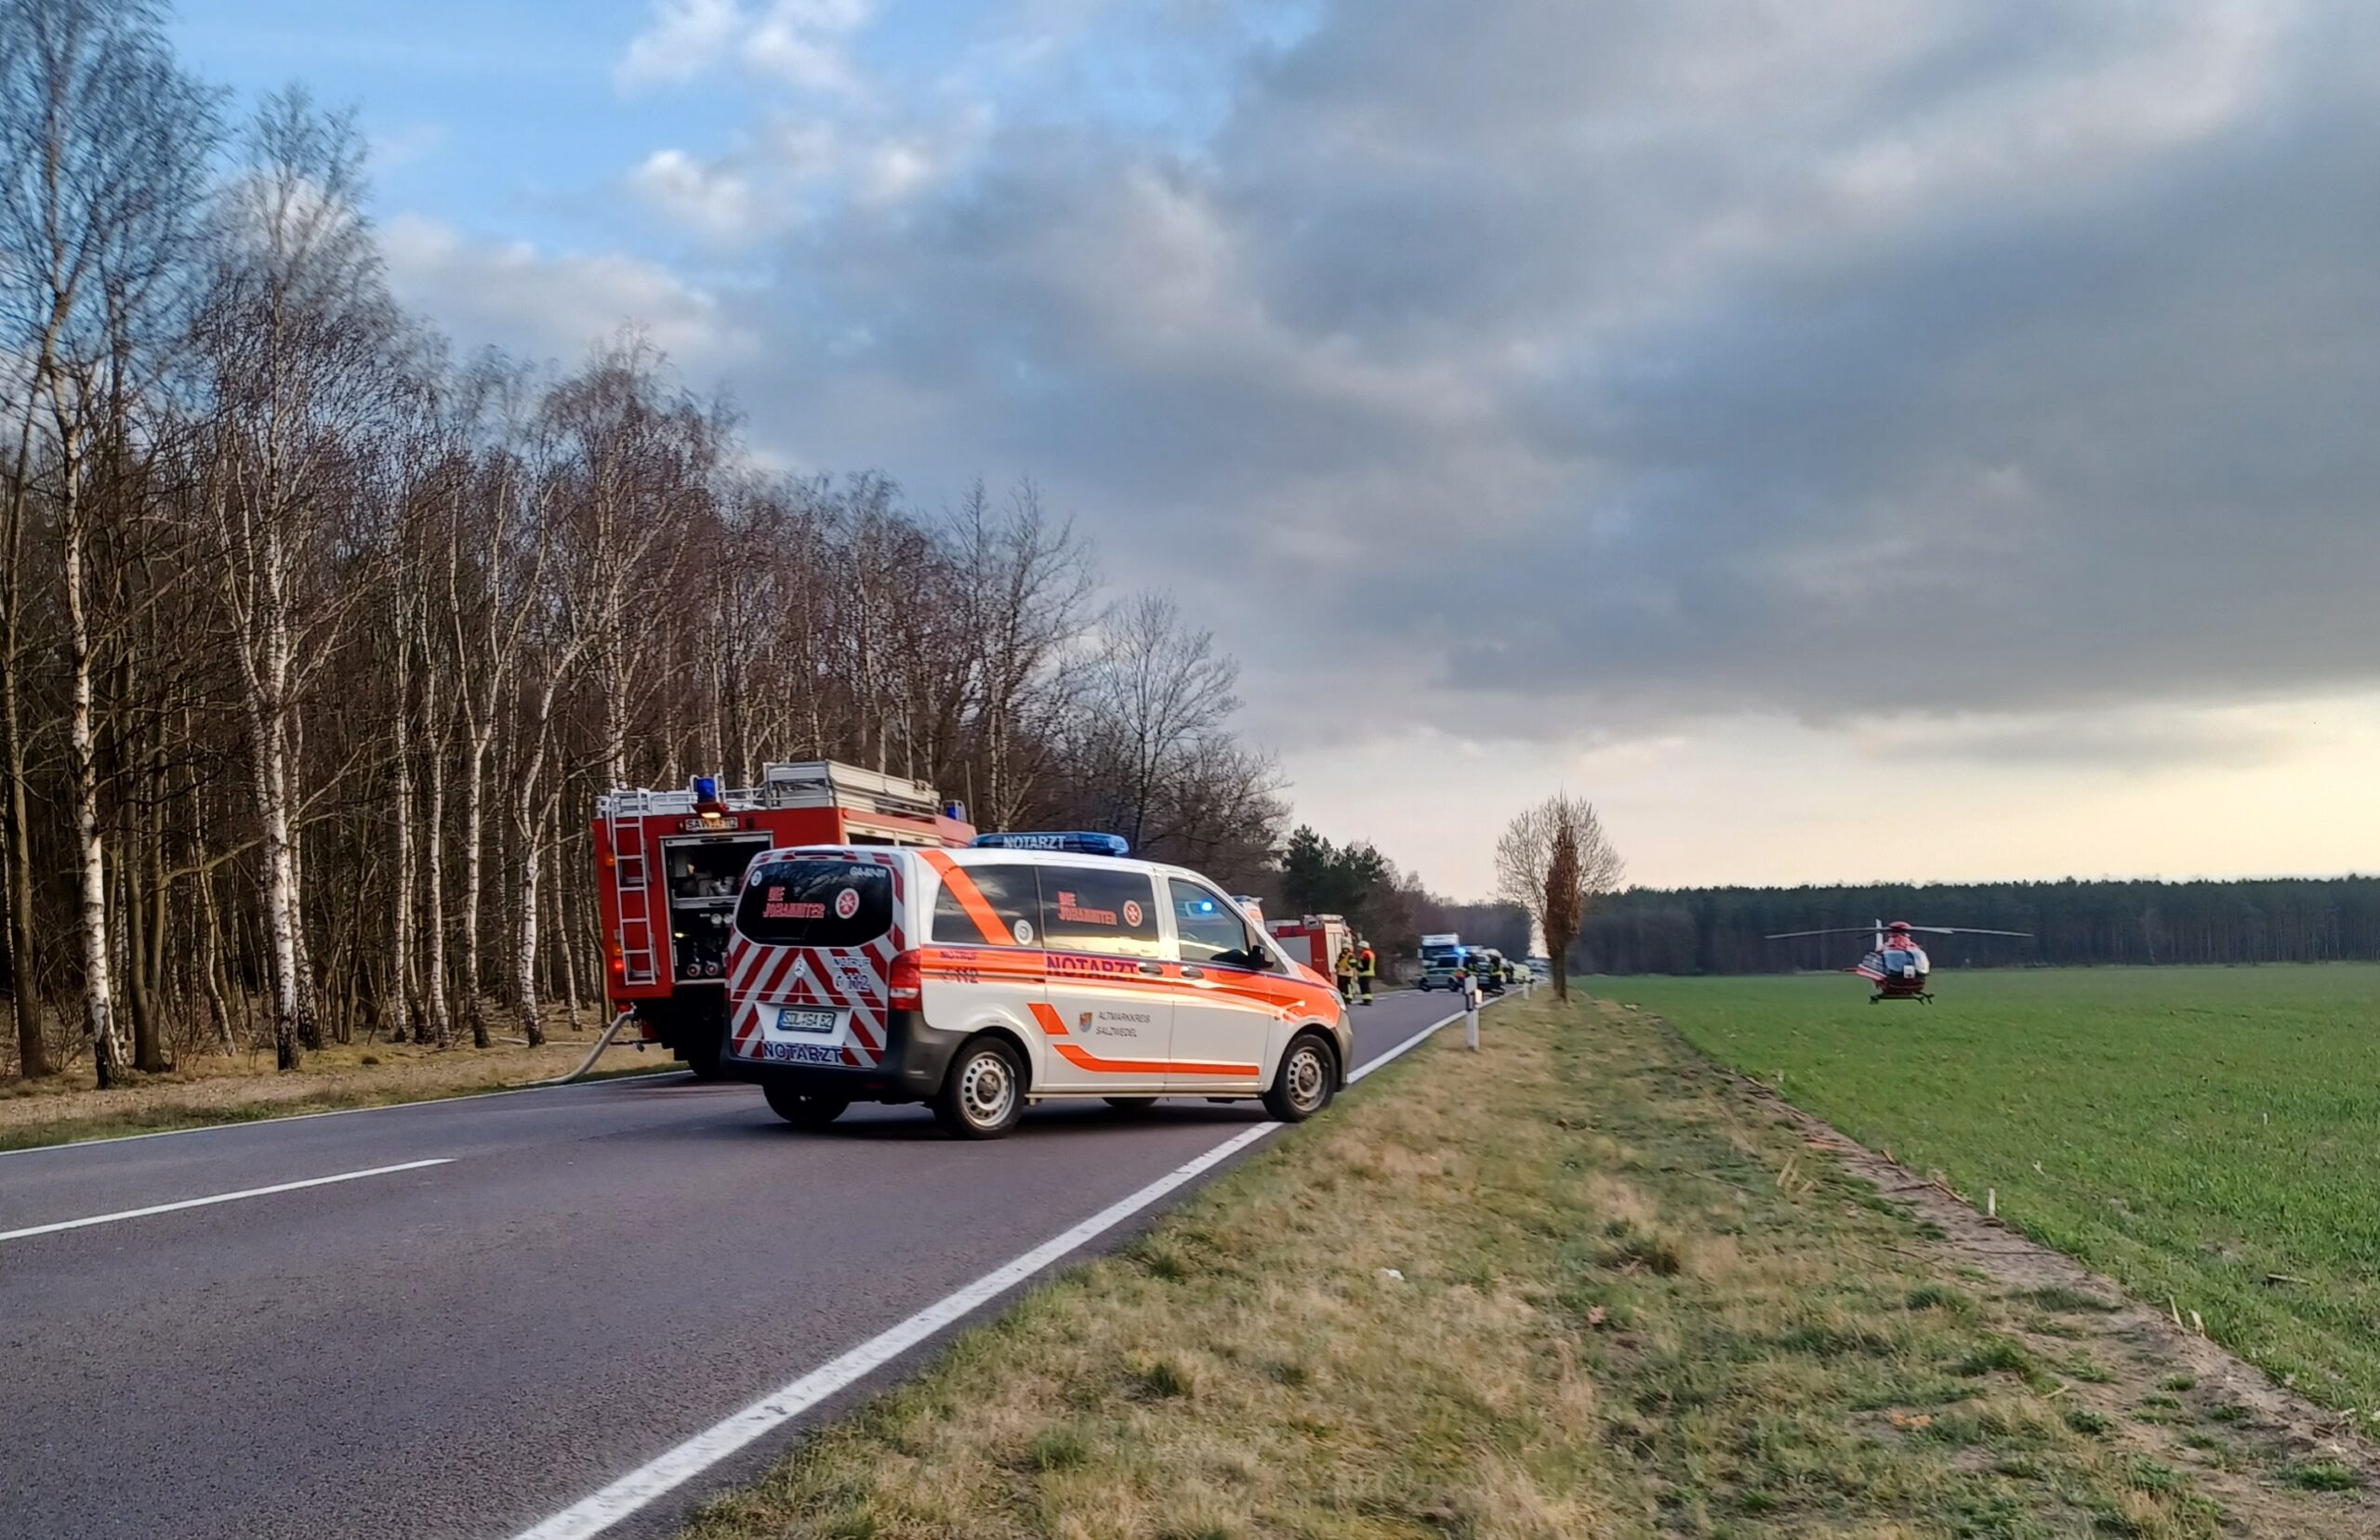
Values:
[(1579, 1283), (217, 1090)]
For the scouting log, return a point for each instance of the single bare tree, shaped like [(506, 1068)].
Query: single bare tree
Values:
[(1158, 695), (1556, 861), (1024, 596)]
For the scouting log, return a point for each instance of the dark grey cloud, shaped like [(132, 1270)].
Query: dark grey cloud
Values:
[(1667, 359)]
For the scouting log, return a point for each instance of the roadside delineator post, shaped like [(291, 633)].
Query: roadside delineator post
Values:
[(1470, 1015)]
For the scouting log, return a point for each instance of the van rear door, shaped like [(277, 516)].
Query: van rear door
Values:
[(809, 968)]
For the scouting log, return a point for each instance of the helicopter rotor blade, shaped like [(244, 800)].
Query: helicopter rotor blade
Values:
[(1964, 930), (1832, 930)]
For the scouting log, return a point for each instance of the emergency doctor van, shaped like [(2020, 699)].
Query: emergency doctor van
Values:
[(1022, 969)]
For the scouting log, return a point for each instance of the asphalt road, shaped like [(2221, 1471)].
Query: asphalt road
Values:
[(594, 1274)]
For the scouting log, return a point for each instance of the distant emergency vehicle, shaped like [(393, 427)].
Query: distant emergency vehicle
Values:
[(1024, 968), (1441, 956), (669, 867)]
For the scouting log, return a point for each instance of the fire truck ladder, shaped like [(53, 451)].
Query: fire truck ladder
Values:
[(633, 869)]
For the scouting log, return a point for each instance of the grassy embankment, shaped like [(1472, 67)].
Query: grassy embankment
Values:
[(213, 1089), (1632, 1301), (2209, 1137)]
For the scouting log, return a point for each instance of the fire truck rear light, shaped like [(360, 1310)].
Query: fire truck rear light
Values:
[(905, 981)]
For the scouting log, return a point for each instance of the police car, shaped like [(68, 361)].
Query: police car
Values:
[(1021, 968)]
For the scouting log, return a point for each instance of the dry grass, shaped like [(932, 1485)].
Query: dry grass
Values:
[(212, 1089), (1631, 1302)]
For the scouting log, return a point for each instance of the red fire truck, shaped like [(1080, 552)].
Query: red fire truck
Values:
[(669, 866), (1315, 940)]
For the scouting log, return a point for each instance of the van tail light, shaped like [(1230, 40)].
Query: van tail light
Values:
[(905, 981)]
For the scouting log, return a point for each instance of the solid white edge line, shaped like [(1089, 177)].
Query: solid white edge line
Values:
[(593, 1514), (343, 1112), (218, 1198)]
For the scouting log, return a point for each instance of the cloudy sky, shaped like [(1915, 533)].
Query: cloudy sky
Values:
[(1847, 439)]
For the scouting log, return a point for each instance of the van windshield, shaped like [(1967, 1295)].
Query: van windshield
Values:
[(816, 904)]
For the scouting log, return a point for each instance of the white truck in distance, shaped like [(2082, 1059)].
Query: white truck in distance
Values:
[(1441, 954)]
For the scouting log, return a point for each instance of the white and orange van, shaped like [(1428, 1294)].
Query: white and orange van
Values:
[(1023, 968)]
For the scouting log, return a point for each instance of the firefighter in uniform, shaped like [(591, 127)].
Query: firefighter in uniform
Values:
[(1367, 969), (1345, 969)]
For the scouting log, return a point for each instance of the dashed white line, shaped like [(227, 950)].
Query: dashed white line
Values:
[(216, 1198), (674, 1467)]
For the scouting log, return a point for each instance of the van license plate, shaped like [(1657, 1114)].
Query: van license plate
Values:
[(795, 1019)]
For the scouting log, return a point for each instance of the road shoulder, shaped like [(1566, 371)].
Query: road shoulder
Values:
[(215, 1091)]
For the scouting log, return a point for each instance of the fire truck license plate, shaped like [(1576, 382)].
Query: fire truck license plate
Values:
[(795, 1019)]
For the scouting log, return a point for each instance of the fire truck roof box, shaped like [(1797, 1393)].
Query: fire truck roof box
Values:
[(809, 784)]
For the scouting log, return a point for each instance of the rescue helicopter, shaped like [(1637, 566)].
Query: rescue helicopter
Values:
[(1896, 964)]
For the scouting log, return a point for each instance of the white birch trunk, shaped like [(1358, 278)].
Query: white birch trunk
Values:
[(404, 1021), (99, 961), (525, 954), (279, 885), (481, 731), (433, 971)]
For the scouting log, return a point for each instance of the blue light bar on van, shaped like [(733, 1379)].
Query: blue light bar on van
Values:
[(1072, 844)]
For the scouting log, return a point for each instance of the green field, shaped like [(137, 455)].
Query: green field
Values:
[(2206, 1136)]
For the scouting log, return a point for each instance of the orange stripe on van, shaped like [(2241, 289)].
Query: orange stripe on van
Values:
[(971, 899), (1055, 1026), (1080, 1060)]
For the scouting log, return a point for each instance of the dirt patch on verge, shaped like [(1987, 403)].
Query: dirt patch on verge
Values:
[(2157, 1383)]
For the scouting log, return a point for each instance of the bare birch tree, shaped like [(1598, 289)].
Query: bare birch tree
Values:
[(103, 142), (1024, 596), (297, 333)]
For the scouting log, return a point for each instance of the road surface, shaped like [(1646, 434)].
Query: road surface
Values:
[(585, 1277)]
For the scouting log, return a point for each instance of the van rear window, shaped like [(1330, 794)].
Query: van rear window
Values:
[(816, 904)]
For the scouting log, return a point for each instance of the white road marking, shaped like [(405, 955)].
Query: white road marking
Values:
[(594, 1514), (218, 1198)]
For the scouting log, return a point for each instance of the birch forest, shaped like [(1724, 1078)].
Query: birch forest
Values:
[(319, 638)]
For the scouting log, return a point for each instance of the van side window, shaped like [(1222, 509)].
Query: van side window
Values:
[(991, 905), (1209, 928), (1099, 909)]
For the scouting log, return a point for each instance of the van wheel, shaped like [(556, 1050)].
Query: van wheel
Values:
[(1307, 1081), (983, 1094), (809, 1113), (1130, 1103)]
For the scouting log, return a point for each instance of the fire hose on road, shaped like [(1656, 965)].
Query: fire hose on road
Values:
[(622, 1019)]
